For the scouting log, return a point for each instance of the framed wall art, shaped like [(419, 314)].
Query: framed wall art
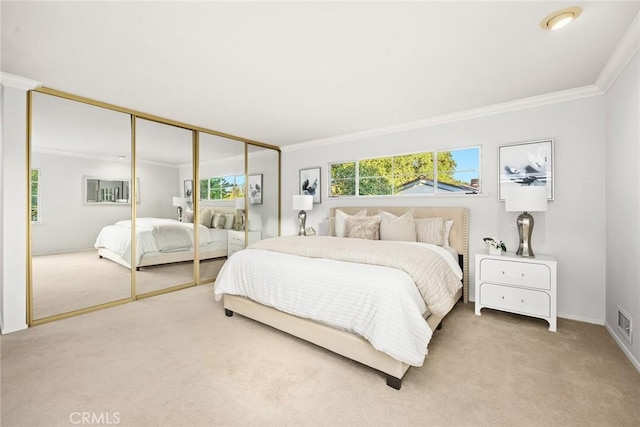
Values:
[(188, 190), (310, 183), (526, 164), (255, 189)]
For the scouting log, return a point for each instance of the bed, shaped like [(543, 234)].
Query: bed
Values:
[(163, 241), (362, 303)]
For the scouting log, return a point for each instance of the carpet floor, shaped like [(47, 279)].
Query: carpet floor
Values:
[(176, 360), (76, 280)]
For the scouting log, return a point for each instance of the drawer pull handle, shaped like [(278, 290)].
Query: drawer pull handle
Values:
[(522, 274), (502, 296), (503, 272)]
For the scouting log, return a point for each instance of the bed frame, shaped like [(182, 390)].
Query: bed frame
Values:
[(162, 259), (344, 343)]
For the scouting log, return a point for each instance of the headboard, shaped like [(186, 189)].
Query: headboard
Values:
[(458, 238)]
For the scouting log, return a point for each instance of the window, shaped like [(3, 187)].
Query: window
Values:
[(35, 195), (222, 187), (435, 172)]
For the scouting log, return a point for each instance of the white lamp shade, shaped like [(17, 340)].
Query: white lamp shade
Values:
[(302, 203), (179, 201), (532, 198), (240, 203)]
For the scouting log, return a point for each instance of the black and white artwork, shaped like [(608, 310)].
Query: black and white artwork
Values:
[(255, 189), (188, 190), (526, 164), (310, 183)]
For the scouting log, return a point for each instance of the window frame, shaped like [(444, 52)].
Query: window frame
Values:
[(238, 190), (435, 193)]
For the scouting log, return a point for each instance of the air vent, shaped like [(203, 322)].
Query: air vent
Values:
[(624, 325)]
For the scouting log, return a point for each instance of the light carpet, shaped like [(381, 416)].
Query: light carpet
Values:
[(176, 360), (76, 280)]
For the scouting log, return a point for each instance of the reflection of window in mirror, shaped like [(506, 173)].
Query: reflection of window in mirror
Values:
[(35, 195), (222, 187)]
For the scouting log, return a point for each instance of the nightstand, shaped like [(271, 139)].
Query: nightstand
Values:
[(235, 240), (519, 285)]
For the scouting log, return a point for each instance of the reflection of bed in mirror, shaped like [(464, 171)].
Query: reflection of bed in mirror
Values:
[(164, 241)]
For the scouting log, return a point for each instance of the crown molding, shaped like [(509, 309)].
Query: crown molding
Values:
[(11, 80), (626, 49), (475, 113)]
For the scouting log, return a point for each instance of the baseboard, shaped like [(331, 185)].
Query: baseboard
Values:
[(581, 319), (624, 348)]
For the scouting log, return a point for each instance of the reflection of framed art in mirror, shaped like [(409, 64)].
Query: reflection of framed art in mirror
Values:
[(255, 189)]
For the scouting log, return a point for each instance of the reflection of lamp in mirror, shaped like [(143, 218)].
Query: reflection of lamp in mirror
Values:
[(240, 207), (526, 199), (179, 203), (302, 203)]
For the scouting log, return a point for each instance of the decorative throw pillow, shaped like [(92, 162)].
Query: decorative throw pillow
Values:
[(218, 221), (205, 217), (399, 228), (430, 230), (365, 227), (447, 230), (340, 224), (187, 216), (229, 221)]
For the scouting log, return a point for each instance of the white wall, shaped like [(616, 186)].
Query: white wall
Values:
[(623, 203), (14, 210), (573, 229)]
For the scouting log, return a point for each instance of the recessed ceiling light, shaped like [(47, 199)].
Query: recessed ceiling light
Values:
[(560, 18)]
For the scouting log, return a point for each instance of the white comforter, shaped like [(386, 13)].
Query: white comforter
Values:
[(152, 235), (381, 304)]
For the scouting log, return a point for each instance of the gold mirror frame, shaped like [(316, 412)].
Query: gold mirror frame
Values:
[(196, 130)]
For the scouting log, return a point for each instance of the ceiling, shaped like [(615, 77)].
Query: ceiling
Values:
[(293, 72)]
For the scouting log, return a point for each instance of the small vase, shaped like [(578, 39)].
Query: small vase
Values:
[(494, 251)]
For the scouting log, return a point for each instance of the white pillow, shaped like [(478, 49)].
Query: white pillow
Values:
[(229, 221), (430, 230), (447, 229), (399, 228), (340, 227)]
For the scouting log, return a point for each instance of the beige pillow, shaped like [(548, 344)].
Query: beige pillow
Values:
[(340, 224), (205, 217), (218, 221), (430, 230), (365, 227), (229, 221), (187, 216), (399, 228)]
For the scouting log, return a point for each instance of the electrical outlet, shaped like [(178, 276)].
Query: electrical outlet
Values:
[(624, 325)]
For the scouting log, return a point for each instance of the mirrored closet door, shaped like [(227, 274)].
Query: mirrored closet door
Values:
[(221, 186), (80, 161), (263, 197), (165, 239)]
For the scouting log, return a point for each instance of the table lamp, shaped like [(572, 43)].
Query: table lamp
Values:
[(302, 203), (527, 199), (179, 203)]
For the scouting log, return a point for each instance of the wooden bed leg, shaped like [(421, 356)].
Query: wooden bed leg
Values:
[(137, 268), (439, 326), (394, 382), (100, 256), (228, 313)]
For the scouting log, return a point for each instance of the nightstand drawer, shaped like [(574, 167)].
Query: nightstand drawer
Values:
[(517, 300), (515, 273), (236, 238)]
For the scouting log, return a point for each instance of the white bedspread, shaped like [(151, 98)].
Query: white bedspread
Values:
[(152, 235), (381, 304)]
